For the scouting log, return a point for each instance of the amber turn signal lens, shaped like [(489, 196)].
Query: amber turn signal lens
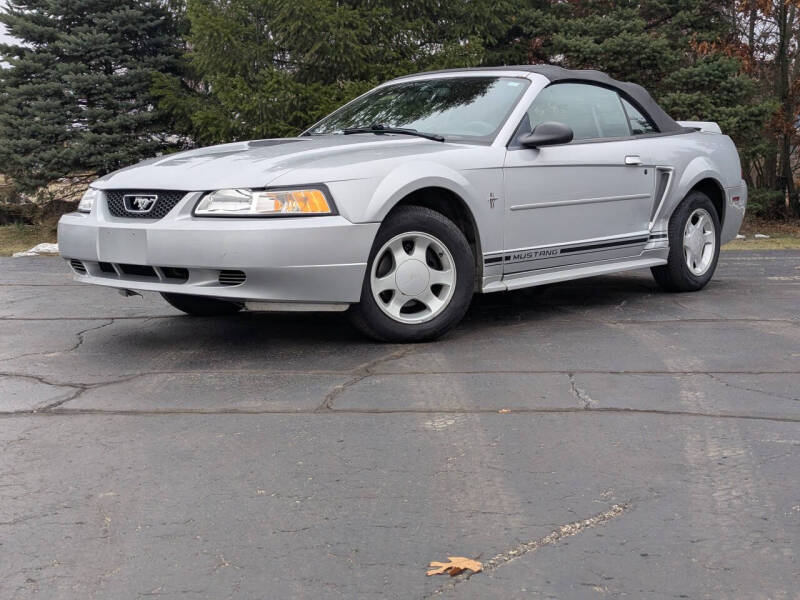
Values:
[(307, 201)]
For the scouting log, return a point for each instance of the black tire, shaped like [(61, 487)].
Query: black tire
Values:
[(200, 306), (676, 276), (371, 320)]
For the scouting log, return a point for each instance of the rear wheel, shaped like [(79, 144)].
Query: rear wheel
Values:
[(693, 246), (420, 278), (200, 306)]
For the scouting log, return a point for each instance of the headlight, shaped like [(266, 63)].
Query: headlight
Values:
[(264, 203), (87, 200)]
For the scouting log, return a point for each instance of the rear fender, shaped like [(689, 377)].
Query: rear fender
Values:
[(697, 170)]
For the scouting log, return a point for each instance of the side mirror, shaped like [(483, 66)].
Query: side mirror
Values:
[(547, 134)]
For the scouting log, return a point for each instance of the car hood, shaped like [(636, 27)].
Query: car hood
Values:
[(259, 162)]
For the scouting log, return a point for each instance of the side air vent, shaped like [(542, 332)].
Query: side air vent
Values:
[(78, 267), (107, 268), (232, 277), (663, 179)]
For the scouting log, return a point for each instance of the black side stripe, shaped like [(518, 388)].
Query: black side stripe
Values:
[(587, 248), (605, 245)]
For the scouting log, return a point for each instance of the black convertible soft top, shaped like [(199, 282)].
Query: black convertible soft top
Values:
[(633, 92)]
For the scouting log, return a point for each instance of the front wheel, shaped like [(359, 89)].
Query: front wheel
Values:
[(200, 306), (420, 278), (693, 246)]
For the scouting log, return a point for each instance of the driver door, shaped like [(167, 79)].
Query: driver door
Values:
[(586, 201)]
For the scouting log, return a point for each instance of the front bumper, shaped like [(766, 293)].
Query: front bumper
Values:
[(305, 259)]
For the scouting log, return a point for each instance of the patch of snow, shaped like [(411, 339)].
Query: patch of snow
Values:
[(439, 423), (39, 250), (739, 236), (761, 236)]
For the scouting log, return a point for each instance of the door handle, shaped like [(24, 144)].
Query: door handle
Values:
[(633, 160)]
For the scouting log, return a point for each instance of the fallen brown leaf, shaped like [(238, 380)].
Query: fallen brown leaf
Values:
[(457, 565)]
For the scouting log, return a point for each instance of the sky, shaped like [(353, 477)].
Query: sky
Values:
[(4, 37)]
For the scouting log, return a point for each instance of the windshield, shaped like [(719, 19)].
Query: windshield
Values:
[(466, 108)]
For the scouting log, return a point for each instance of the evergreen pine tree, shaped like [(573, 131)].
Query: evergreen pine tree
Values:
[(76, 99), (265, 68)]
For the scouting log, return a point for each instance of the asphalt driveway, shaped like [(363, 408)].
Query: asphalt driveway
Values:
[(598, 438)]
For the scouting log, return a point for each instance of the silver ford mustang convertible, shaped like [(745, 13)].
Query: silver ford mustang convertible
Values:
[(402, 204)]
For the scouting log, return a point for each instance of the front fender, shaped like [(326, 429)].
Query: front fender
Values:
[(371, 199), (477, 180), (413, 176)]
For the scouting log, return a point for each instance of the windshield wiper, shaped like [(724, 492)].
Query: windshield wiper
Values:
[(379, 128)]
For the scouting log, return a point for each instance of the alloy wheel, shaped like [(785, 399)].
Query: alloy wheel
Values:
[(699, 241), (413, 277)]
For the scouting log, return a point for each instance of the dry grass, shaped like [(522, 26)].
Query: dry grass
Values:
[(772, 228), (16, 238), (773, 243), (783, 235)]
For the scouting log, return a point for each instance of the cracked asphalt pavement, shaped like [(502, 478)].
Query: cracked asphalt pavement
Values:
[(596, 438)]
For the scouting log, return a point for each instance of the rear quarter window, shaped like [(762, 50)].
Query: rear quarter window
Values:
[(640, 124)]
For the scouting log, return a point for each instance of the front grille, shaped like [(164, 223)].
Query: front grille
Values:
[(165, 202), (170, 275), (232, 277), (138, 270), (78, 267), (176, 273), (120, 270)]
